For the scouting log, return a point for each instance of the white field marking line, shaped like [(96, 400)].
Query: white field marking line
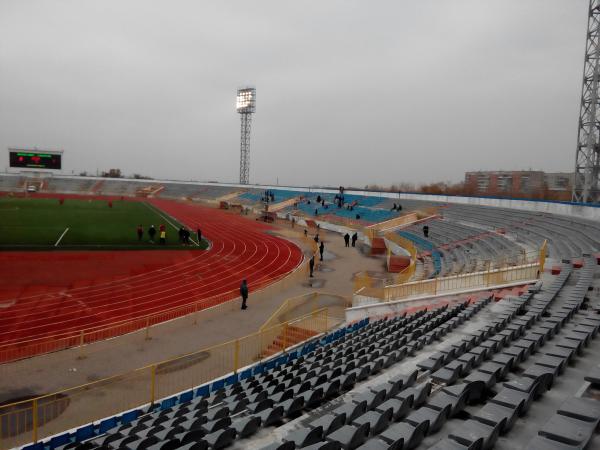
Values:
[(61, 236), (159, 212)]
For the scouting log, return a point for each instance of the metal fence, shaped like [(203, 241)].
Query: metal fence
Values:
[(36, 419), (448, 285), (307, 303)]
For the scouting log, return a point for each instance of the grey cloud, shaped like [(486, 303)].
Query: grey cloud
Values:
[(349, 92)]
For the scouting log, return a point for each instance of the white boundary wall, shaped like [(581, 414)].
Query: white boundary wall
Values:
[(561, 208)]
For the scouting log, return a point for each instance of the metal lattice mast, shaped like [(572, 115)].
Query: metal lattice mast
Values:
[(246, 119), (587, 158), (246, 105)]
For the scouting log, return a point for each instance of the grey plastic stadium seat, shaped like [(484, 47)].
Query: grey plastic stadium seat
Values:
[(472, 431), (305, 436), (288, 445), (292, 406), (568, 430), (246, 426), (350, 437), (411, 436), (493, 415), (373, 399), (419, 392), (329, 423), (221, 438), (581, 408), (351, 410), (513, 399), (219, 424), (449, 444), (378, 421), (400, 407), (271, 416), (543, 443), (201, 445), (324, 446), (433, 418)]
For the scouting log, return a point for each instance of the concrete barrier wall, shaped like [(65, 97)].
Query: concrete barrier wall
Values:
[(561, 208)]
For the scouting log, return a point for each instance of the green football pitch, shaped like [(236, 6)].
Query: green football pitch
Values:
[(83, 224)]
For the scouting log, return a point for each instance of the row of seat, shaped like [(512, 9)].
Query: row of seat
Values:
[(207, 418), (371, 412), (499, 414), (431, 413)]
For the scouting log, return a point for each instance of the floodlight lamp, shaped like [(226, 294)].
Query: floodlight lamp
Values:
[(246, 100)]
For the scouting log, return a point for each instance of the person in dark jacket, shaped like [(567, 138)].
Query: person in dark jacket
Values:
[(244, 293), (152, 233), (426, 230), (311, 265), (199, 234), (354, 238), (321, 249), (347, 240), (140, 232), (181, 233)]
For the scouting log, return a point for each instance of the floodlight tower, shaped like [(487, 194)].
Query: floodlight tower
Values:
[(246, 105), (587, 156)]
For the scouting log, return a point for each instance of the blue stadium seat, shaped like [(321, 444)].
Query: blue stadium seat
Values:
[(232, 379), (107, 424), (186, 397), (168, 403), (219, 384), (246, 374), (59, 441), (130, 416), (203, 391), (84, 433)]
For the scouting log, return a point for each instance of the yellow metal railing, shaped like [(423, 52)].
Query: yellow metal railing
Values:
[(38, 418), (447, 285), (307, 303), (396, 222)]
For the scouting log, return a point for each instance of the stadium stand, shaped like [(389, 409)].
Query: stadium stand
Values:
[(496, 361), (568, 237), (70, 185), (472, 374)]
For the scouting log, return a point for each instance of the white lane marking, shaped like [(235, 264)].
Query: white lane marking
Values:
[(160, 213), (61, 236)]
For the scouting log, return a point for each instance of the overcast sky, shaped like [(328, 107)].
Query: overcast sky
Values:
[(348, 92)]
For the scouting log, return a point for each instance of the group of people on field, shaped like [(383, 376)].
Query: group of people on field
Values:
[(184, 234), (162, 233)]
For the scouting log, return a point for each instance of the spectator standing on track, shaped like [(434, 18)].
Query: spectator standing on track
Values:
[(140, 232), (199, 234), (354, 238), (244, 293), (347, 240), (161, 227), (311, 265), (163, 237), (181, 233), (186, 236), (152, 233), (321, 249)]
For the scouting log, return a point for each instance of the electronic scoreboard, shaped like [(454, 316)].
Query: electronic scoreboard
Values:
[(35, 159)]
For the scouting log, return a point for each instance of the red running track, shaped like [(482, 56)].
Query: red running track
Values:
[(240, 249)]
